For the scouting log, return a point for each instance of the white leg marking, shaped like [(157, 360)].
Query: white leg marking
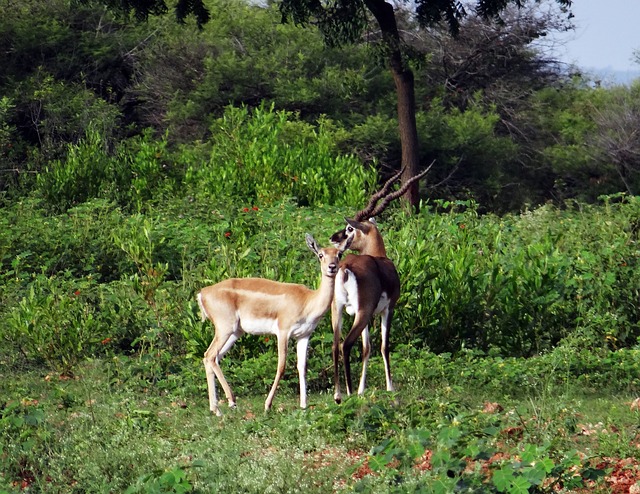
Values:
[(227, 346), (366, 351), (283, 342), (336, 320), (301, 350), (211, 384), (384, 330)]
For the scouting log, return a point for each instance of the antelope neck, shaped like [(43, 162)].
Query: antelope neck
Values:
[(321, 298), (375, 247)]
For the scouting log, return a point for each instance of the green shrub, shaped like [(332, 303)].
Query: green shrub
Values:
[(54, 323), (264, 156), (80, 176), (142, 172), (26, 439), (77, 243), (520, 284), (61, 113), (174, 480), (135, 176), (517, 285)]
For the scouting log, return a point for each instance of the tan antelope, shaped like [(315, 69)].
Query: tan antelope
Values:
[(366, 284), (263, 307)]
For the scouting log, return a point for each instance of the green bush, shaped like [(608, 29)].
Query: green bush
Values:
[(54, 323), (80, 176), (61, 113), (135, 176), (520, 284), (258, 157), (264, 156), (77, 242), (516, 285)]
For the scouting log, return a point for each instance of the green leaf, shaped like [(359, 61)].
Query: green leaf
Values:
[(440, 459), (441, 486), (519, 485), (168, 479), (547, 464), (536, 474), (503, 478), (449, 436), (377, 463), (415, 450), (530, 453)]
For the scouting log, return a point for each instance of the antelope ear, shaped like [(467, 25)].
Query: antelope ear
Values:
[(311, 243)]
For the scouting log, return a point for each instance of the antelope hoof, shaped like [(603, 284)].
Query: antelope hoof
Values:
[(338, 398)]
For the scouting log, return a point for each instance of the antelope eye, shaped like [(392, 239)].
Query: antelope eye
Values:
[(320, 256), (349, 229)]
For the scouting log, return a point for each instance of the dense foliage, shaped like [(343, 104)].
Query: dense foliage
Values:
[(110, 229), (560, 422), (511, 285), (504, 138), (142, 161)]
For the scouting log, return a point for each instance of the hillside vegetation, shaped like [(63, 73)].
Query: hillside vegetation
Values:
[(143, 161)]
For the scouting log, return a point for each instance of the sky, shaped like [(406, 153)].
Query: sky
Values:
[(606, 35)]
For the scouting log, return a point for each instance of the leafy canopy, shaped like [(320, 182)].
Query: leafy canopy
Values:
[(142, 9), (340, 20)]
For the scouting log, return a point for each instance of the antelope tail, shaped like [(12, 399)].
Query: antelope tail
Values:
[(203, 313)]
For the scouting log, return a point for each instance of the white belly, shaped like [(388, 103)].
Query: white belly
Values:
[(258, 326), (264, 326), (303, 330)]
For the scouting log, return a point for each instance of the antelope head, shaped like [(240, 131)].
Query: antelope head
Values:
[(361, 231)]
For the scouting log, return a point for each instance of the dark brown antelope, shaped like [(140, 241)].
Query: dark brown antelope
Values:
[(257, 306), (366, 285)]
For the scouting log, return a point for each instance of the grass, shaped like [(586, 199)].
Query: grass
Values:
[(112, 428), (102, 436)]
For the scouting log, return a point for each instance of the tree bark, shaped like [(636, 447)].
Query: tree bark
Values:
[(406, 101), (408, 133)]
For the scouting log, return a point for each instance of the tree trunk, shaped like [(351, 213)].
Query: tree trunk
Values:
[(408, 132), (403, 78)]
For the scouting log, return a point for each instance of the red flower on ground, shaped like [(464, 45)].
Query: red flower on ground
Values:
[(255, 208), (106, 341), (245, 210), (227, 234)]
